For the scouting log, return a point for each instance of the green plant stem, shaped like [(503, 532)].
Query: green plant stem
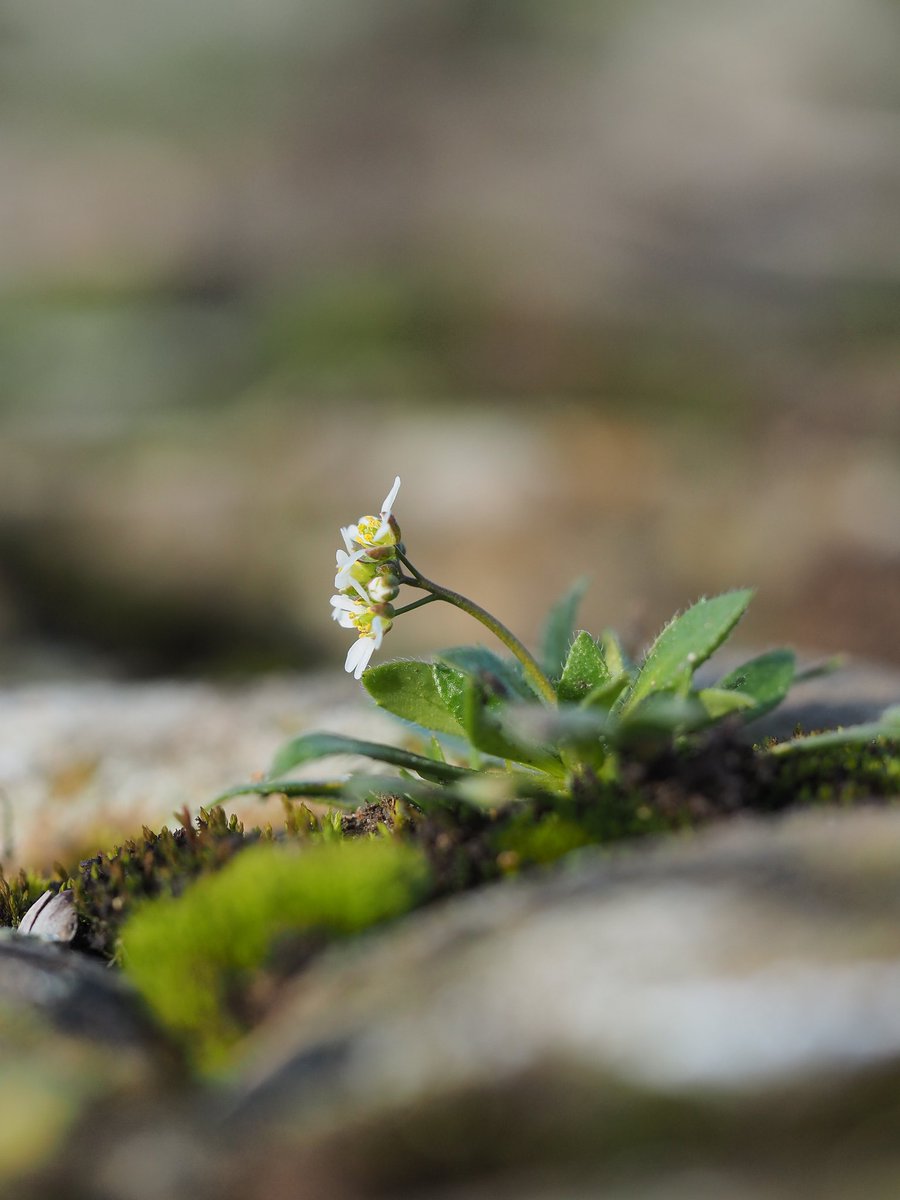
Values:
[(507, 637), (398, 612)]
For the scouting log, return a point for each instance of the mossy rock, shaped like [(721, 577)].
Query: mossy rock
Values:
[(202, 959), (73, 1036)]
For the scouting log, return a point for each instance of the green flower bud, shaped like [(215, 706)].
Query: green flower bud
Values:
[(384, 587)]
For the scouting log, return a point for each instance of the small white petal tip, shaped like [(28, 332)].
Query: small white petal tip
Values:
[(390, 498)]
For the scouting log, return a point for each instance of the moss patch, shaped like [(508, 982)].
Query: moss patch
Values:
[(18, 894), (194, 957)]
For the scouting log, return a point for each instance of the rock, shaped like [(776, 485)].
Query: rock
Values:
[(716, 1015), (77, 1054), (83, 765), (75, 995)]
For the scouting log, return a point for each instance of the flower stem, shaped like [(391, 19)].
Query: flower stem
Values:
[(398, 612), (507, 637)]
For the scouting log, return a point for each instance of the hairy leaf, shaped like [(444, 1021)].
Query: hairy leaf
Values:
[(484, 663), (660, 716), (685, 643), (604, 697), (584, 671), (571, 728), (765, 680), (483, 720), (451, 686), (407, 688)]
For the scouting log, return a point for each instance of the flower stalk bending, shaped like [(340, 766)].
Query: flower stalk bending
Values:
[(498, 629), (368, 579)]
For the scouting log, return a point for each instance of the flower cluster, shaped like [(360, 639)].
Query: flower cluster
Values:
[(367, 580)]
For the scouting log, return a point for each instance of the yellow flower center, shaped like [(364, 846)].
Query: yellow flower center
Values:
[(367, 528)]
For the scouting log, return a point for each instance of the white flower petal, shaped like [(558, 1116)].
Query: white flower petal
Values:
[(345, 611), (347, 560), (343, 579), (390, 498), (352, 656), (363, 661), (377, 631), (358, 656)]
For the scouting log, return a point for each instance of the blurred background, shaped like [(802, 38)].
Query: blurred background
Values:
[(614, 287)]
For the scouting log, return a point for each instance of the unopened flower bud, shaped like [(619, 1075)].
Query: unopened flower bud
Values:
[(382, 553), (384, 587)]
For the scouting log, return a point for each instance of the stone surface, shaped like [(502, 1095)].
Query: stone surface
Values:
[(716, 1014), (705, 1016), (75, 1048), (83, 764), (73, 994)]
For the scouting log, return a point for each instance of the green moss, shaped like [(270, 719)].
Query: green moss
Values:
[(108, 886), (524, 840), (839, 775), (193, 957), (18, 894)]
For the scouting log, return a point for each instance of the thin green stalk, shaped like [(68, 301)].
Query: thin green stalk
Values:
[(398, 612), (497, 628)]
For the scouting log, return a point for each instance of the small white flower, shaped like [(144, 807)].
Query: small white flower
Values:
[(347, 612), (363, 648), (386, 509), (364, 594), (344, 579), (370, 531)]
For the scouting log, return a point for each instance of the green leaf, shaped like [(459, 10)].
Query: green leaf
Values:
[(613, 654), (559, 628), (817, 670), (886, 728), (483, 720), (484, 663), (330, 789), (568, 727), (436, 750), (362, 789), (662, 713), (407, 688), (451, 687), (500, 788), (604, 697), (766, 680), (312, 746), (719, 702), (584, 671), (685, 643)]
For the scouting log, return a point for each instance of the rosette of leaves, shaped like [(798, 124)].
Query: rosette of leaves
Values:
[(494, 740)]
